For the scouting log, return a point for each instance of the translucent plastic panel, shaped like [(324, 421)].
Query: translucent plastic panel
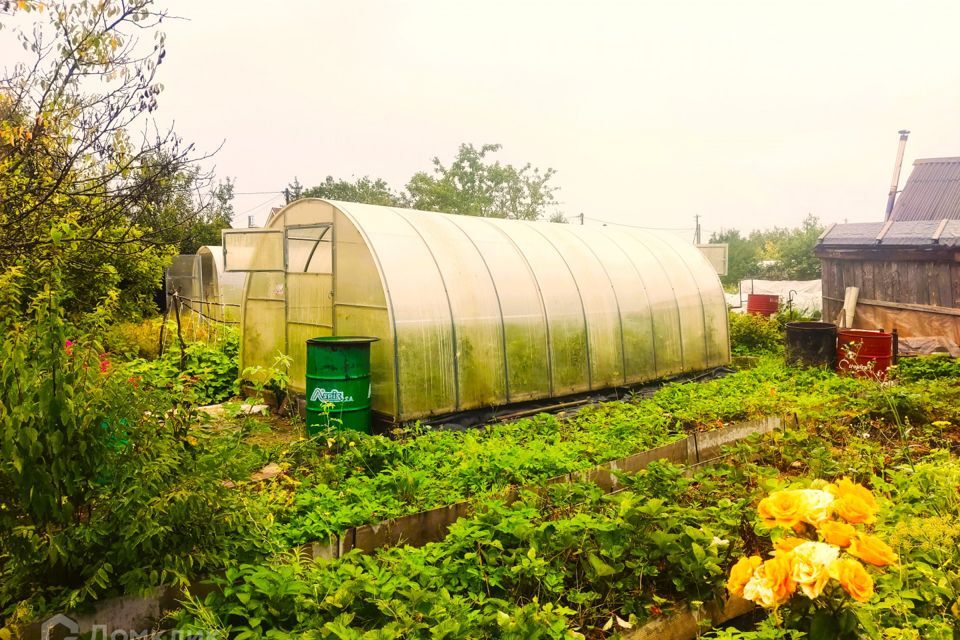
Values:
[(714, 304), (253, 250), (297, 336), (357, 280), (662, 301), (477, 325), (310, 298), (309, 249), (306, 211), (264, 333), (182, 277), (564, 311), (360, 309), (209, 285), (364, 321), (639, 354), (521, 308), (421, 312), (599, 302), (266, 285), (309, 315), (231, 294), (264, 320), (687, 291)]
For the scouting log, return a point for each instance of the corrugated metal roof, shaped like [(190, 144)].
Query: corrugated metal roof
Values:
[(910, 233), (932, 191)]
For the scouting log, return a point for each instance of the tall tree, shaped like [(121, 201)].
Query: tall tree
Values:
[(188, 210), (797, 258), (83, 167), (777, 254), (366, 190), (475, 185)]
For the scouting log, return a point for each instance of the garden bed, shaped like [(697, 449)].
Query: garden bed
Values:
[(571, 560), (351, 480)]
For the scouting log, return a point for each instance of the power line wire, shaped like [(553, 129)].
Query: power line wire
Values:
[(262, 204), (634, 226)]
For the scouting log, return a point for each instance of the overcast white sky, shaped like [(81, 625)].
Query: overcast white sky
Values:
[(750, 113)]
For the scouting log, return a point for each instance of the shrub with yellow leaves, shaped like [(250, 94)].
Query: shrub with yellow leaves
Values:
[(817, 564)]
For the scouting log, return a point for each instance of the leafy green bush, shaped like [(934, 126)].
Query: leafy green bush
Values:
[(103, 489), (535, 569), (209, 373), (754, 335), (928, 368), (134, 339)]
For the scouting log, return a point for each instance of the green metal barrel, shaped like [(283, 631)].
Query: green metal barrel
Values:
[(338, 383)]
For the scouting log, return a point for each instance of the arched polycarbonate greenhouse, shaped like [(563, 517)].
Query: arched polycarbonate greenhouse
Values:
[(204, 286), (476, 312)]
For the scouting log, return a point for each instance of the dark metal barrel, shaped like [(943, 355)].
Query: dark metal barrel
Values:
[(811, 344)]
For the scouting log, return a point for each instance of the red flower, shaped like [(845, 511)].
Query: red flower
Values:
[(104, 365), (68, 347)]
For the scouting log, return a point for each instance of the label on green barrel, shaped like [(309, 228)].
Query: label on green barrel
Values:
[(333, 395)]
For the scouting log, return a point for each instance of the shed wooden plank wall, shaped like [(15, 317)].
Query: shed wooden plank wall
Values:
[(906, 279)]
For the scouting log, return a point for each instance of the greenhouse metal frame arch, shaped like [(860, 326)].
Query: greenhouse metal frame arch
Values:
[(476, 312)]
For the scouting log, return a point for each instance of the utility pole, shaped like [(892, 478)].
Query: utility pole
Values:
[(696, 235), (286, 195), (581, 218)]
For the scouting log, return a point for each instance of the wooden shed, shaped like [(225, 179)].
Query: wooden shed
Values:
[(907, 271)]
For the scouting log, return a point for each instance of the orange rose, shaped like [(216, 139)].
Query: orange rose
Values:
[(854, 510), (772, 583), (853, 578), (741, 573), (847, 487), (872, 549), (854, 502), (786, 545), (838, 533), (781, 508)]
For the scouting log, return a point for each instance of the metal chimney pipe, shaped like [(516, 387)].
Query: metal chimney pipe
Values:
[(895, 182)]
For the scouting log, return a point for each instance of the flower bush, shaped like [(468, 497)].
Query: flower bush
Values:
[(816, 571)]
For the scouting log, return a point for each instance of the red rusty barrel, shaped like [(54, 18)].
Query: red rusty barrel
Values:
[(864, 353), (762, 304)]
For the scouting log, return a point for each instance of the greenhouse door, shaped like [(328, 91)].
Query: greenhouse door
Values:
[(309, 292)]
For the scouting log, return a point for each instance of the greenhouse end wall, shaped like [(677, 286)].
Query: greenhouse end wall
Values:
[(476, 312)]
